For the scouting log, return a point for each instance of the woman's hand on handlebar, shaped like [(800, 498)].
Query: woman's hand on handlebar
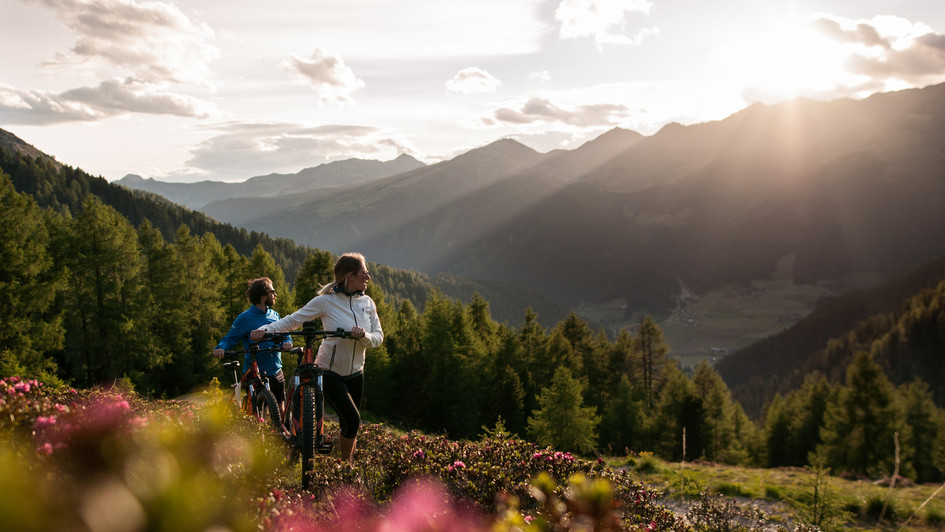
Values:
[(257, 334), (358, 332)]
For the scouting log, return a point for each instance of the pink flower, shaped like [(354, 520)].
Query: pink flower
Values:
[(418, 454), (42, 422), (22, 387), (45, 449)]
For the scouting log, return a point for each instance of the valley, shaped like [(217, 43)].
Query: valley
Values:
[(712, 325)]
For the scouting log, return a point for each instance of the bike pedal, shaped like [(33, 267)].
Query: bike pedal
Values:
[(326, 448)]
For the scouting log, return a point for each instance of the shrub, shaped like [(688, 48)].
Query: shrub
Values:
[(718, 514)]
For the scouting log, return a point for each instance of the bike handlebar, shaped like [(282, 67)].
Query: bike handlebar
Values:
[(252, 349), (311, 333)]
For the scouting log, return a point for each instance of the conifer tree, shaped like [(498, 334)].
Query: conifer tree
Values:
[(562, 421), (921, 415), (103, 307), (317, 270), (623, 421), (533, 339), (858, 435), (719, 419), (261, 264), (677, 430), (29, 285), (234, 268), (777, 431), (651, 354), (807, 407)]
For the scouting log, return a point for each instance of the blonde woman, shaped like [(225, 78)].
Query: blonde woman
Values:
[(341, 304)]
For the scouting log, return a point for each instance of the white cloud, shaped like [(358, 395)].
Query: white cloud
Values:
[(543, 110), (542, 77), (152, 41), (244, 149), (109, 98), (891, 51), (602, 20), (472, 79), (327, 73)]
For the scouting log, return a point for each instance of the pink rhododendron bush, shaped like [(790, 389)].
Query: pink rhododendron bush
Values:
[(108, 460)]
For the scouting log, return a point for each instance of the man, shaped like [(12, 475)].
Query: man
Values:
[(261, 297)]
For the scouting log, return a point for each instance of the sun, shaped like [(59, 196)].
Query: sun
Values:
[(784, 60)]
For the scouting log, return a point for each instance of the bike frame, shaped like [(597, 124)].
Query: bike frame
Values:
[(307, 376), (251, 378)]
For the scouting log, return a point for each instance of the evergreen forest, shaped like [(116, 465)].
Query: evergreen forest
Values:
[(97, 294)]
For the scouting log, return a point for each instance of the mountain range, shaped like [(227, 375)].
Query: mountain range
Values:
[(842, 191), (197, 195)]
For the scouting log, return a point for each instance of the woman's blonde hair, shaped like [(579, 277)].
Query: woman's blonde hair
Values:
[(346, 264)]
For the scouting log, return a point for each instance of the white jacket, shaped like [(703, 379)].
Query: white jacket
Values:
[(344, 356)]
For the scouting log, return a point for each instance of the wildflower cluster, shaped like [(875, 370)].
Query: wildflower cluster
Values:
[(100, 459)]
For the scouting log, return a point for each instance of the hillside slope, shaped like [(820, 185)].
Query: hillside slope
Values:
[(630, 217), (780, 363)]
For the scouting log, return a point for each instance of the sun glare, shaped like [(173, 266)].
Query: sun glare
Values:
[(785, 61)]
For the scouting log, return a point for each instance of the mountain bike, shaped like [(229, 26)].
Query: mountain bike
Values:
[(305, 411), (259, 401)]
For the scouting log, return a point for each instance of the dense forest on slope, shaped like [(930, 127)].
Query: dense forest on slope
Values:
[(63, 189), (781, 362)]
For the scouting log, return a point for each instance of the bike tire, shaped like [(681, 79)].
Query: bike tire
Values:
[(267, 408), (308, 434)]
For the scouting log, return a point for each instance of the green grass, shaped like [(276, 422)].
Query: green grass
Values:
[(778, 491)]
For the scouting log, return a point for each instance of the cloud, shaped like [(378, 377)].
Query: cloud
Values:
[(240, 150), (333, 80), (472, 79), (109, 98), (542, 110), (153, 41), (889, 50), (602, 20)]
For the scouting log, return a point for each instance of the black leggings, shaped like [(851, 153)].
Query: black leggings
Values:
[(344, 396)]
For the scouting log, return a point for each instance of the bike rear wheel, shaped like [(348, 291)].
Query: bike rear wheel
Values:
[(308, 434), (267, 408)]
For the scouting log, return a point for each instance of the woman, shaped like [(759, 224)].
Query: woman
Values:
[(341, 304)]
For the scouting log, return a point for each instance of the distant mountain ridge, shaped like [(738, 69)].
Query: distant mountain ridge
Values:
[(346, 172), (852, 189)]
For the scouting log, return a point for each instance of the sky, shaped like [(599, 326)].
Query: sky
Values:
[(230, 89)]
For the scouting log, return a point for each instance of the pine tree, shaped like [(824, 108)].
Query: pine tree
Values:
[(562, 421)]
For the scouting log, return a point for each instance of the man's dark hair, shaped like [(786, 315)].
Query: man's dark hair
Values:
[(257, 289)]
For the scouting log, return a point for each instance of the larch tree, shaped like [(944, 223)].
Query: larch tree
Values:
[(562, 421), (29, 285), (651, 349)]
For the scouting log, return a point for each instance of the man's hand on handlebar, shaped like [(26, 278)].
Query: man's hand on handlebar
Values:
[(218, 353)]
